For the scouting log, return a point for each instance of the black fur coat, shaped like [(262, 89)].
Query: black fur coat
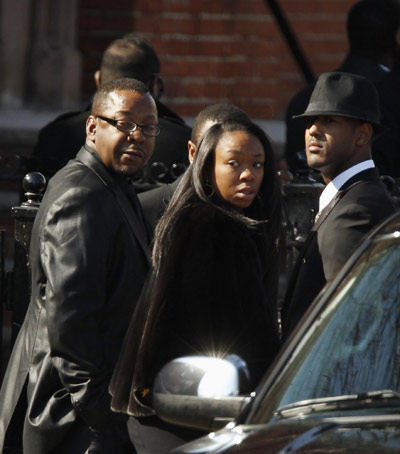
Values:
[(210, 297)]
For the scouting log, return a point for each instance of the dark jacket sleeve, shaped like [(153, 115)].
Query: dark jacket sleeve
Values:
[(75, 244)]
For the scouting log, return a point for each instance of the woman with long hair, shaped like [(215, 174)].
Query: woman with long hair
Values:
[(213, 286)]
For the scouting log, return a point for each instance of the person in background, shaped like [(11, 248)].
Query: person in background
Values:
[(89, 258), (210, 290), (134, 57), (386, 147), (340, 121)]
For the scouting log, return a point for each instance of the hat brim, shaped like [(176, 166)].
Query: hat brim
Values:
[(379, 128)]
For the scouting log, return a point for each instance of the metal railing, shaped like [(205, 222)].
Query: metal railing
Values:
[(301, 198)]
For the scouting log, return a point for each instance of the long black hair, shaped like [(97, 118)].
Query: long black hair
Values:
[(195, 187)]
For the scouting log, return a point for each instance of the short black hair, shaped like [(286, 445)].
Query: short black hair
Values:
[(219, 113), (129, 56), (123, 84)]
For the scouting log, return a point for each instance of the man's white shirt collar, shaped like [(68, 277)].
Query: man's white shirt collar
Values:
[(334, 186)]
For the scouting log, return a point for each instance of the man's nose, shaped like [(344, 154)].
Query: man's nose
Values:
[(313, 128), (137, 135)]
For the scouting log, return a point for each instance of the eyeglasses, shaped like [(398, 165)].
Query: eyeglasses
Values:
[(130, 126)]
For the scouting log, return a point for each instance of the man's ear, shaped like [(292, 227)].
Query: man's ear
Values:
[(156, 86), (191, 151), (91, 128), (97, 78), (364, 134)]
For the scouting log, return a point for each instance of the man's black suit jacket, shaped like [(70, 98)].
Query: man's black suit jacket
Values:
[(360, 205), (89, 258), (155, 201)]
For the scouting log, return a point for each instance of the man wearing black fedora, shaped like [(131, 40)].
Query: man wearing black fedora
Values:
[(341, 118), (372, 29)]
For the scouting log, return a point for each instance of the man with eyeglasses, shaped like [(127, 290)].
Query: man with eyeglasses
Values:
[(89, 258)]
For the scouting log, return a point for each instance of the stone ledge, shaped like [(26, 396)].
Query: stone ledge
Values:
[(26, 119), (19, 128)]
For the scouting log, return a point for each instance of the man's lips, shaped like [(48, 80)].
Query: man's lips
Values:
[(133, 153), (314, 147)]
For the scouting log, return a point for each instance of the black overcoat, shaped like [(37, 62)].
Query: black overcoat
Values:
[(89, 259), (360, 205), (211, 296)]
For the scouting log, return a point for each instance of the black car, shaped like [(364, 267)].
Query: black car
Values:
[(335, 387)]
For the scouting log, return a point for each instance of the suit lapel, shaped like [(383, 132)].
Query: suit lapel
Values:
[(311, 236), (133, 219), (368, 174), (89, 158), (326, 211)]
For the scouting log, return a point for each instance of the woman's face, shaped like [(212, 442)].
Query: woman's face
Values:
[(238, 168)]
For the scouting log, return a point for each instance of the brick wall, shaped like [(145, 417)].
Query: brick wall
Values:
[(220, 50)]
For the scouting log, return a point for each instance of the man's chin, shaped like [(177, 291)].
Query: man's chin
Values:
[(314, 164), (127, 171)]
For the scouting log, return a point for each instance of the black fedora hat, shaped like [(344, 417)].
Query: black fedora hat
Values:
[(344, 95)]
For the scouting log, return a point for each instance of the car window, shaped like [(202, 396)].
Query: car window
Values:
[(354, 345)]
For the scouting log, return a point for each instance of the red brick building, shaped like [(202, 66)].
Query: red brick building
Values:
[(210, 50), (220, 50)]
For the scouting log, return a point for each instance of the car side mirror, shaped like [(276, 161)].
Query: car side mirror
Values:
[(201, 392)]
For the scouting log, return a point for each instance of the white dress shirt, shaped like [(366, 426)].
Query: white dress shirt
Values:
[(334, 186)]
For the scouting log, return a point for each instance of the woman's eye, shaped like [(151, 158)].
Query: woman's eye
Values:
[(258, 165), (233, 163)]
